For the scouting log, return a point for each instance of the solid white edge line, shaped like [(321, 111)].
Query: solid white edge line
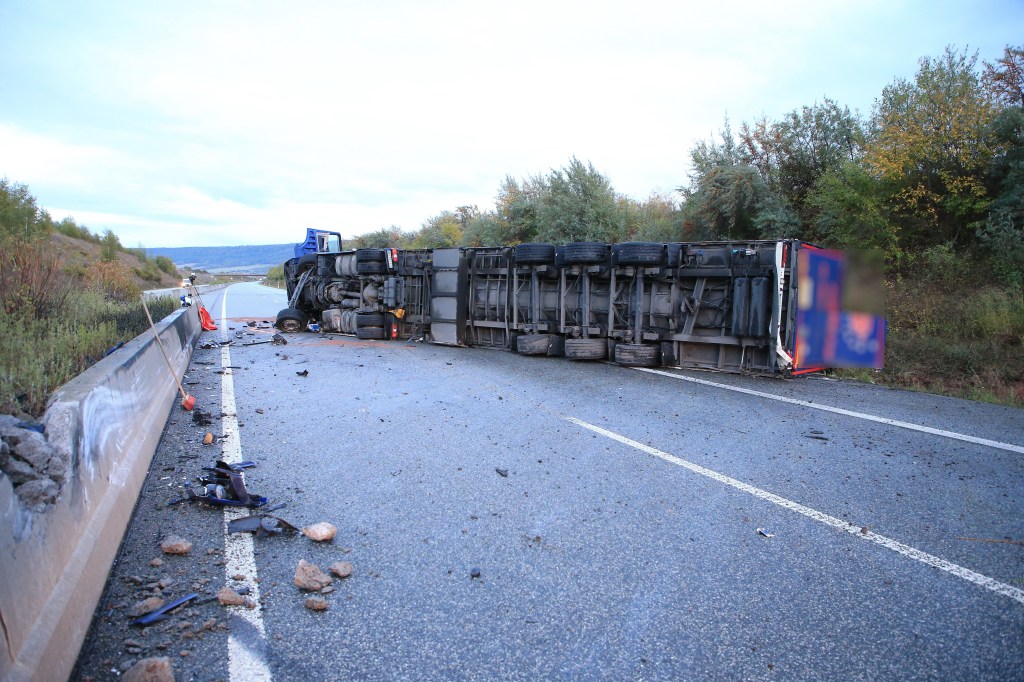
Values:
[(854, 530), (848, 413), (244, 662)]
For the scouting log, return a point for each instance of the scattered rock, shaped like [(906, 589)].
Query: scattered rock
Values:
[(474, 572), (20, 472), (316, 604), (238, 576), (208, 438), (321, 532), (156, 563), (228, 597), (327, 590), (309, 577), (172, 544), (145, 606), (38, 493), (342, 569), (156, 669), (259, 410)]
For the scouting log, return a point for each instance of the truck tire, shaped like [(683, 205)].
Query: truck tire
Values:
[(534, 254), (641, 253), (585, 253), (370, 256), (638, 355), (586, 349), (371, 268), (291, 320), (538, 344), (305, 260)]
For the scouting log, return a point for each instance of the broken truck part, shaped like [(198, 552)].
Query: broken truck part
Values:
[(727, 306)]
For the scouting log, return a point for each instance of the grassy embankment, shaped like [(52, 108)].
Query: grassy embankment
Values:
[(60, 313), (955, 337)]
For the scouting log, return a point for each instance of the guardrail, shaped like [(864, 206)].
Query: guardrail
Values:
[(105, 424)]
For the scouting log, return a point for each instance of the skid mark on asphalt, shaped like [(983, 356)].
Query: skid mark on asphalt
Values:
[(246, 645), (854, 530), (848, 413)]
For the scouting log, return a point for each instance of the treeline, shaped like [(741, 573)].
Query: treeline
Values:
[(934, 175), (22, 219)]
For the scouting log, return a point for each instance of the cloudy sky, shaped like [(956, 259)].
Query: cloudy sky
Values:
[(245, 122)]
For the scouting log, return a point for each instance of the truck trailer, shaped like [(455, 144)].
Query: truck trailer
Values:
[(732, 306)]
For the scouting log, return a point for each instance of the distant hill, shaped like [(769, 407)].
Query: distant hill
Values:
[(255, 259)]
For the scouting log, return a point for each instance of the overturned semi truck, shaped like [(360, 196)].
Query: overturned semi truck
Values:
[(733, 306)]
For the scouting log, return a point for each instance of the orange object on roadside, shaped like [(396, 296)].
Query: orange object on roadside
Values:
[(206, 321)]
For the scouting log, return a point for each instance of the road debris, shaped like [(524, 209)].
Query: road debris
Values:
[(172, 544), (145, 606), (278, 340), (474, 572), (303, 373), (763, 533), (208, 438), (317, 604), (320, 532), (309, 577), (200, 418), (224, 485), (160, 613), (342, 569), (155, 669), (502, 472), (261, 524), (228, 597)]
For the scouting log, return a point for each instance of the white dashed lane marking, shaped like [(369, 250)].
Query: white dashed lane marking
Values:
[(246, 661), (854, 530)]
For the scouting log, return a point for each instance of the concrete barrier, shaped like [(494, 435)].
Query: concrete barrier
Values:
[(106, 423)]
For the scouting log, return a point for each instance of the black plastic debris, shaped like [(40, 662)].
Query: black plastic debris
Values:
[(224, 486), (278, 340), (159, 614), (201, 418), (502, 472), (262, 525), (303, 373)]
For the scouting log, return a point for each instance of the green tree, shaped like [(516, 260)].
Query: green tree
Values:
[(516, 208), (20, 217), (723, 202), (110, 245), (792, 154), (658, 219), (850, 212), (579, 205), (384, 238), (167, 265), (442, 231), (931, 142)]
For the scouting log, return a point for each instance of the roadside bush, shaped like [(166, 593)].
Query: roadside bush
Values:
[(112, 281), (31, 279), (1003, 242), (167, 265), (38, 355)]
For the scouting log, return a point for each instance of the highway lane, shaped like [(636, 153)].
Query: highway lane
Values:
[(623, 542)]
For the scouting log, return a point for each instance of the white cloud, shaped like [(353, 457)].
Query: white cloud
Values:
[(233, 123)]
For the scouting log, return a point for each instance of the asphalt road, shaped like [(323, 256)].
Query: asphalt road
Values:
[(615, 518)]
